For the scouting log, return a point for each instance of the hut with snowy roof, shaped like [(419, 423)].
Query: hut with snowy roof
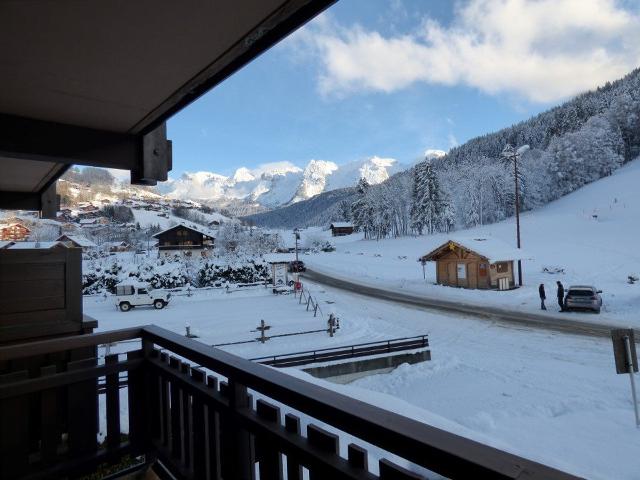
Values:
[(339, 229), (484, 263), (77, 241)]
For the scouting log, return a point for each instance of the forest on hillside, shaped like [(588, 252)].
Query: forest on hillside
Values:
[(567, 147)]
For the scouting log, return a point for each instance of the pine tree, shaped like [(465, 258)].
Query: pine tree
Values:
[(362, 211), (417, 193)]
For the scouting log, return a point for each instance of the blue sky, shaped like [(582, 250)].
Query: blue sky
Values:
[(394, 78)]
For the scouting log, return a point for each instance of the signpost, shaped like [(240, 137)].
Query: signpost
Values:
[(624, 352), (279, 275)]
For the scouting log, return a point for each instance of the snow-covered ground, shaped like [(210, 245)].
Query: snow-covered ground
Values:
[(592, 234), (550, 397)]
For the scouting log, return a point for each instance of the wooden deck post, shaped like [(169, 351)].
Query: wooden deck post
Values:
[(242, 455)]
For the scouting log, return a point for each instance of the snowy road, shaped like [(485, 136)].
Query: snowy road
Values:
[(489, 312)]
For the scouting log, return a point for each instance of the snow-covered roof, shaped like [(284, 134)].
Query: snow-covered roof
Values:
[(5, 244), (13, 224), (44, 245), (488, 247), (191, 226), (342, 225), (279, 257), (88, 221), (84, 242), (115, 244)]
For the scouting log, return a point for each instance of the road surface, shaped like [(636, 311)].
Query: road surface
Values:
[(487, 312)]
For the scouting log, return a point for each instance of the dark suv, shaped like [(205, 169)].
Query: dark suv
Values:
[(297, 266), (583, 297)]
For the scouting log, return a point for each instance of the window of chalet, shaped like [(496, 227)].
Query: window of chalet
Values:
[(502, 267)]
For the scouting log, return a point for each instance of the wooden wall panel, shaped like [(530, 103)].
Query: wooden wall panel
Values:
[(40, 293)]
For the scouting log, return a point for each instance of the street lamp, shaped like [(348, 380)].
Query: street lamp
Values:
[(511, 154)]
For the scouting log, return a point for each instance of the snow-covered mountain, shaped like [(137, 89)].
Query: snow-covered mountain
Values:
[(278, 184)]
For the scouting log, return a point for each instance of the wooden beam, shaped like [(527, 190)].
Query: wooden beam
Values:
[(149, 156), (49, 202), (20, 201), (290, 16)]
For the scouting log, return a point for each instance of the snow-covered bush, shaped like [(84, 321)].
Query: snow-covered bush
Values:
[(212, 274), (101, 279)]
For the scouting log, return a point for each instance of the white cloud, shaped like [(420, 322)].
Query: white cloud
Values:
[(542, 50)]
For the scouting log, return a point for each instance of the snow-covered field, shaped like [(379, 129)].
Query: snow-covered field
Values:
[(592, 234), (550, 397)]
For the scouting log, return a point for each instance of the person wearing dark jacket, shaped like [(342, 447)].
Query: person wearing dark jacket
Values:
[(560, 296), (543, 296)]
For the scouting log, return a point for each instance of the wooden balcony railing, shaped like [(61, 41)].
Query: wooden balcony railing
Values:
[(197, 412)]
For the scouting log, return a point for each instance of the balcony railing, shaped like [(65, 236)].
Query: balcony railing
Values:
[(198, 412)]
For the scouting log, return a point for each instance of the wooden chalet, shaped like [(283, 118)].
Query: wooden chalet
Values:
[(14, 231), (93, 83), (339, 229), (77, 241), (183, 238), (482, 263)]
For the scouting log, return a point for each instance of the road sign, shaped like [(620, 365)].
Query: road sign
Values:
[(620, 350), (624, 351)]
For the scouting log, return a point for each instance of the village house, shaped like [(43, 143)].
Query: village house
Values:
[(183, 238), (113, 247), (94, 222), (14, 232), (77, 241), (339, 229), (483, 263)]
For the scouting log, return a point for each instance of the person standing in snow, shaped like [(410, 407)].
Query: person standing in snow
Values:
[(560, 296), (543, 296)]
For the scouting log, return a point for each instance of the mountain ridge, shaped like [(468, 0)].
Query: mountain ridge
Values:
[(280, 184)]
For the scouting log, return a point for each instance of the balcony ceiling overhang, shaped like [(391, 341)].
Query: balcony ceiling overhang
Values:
[(93, 82)]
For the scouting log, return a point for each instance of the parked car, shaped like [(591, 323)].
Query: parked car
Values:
[(297, 266), (583, 297), (129, 296)]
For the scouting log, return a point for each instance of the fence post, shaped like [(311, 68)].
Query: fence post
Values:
[(308, 301), (315, 309)]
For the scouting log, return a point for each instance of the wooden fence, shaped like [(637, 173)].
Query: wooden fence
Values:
[(200, 413)]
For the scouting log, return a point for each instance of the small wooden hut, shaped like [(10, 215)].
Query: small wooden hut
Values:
[(339, 229), (482, 263)]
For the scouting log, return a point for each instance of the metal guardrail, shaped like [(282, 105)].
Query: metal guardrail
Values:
[(341, 353)]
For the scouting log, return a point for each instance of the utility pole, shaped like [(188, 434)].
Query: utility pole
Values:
[(512, 155), (296, 232)]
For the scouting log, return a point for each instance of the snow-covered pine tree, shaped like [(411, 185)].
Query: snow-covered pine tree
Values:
[(361, 210), (417, 194)]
